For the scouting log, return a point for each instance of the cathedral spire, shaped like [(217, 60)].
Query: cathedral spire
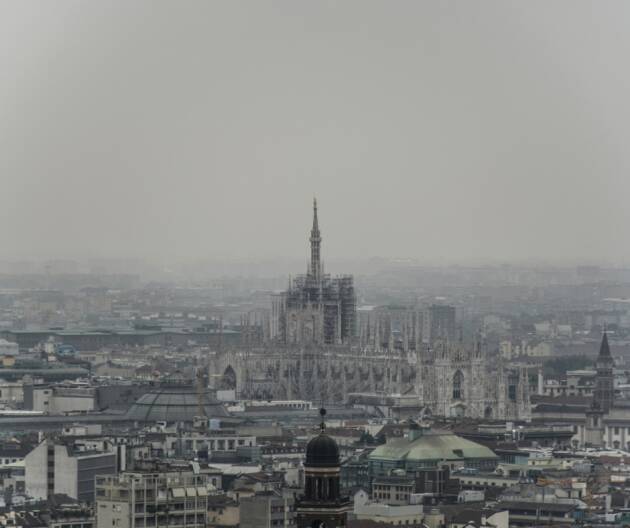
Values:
[(604, 349), (315, 223), (316, 240)]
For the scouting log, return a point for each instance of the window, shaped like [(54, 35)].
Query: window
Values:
[(458, 381), (512, 392)]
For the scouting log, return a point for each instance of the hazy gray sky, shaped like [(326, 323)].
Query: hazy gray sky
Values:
[(460, 130)]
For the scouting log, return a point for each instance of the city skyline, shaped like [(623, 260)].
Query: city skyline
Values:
[(314, 264)]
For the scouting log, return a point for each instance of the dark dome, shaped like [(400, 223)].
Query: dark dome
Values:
[(322, 451), (175, 401)]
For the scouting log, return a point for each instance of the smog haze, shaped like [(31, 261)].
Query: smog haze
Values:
[(442, 130)]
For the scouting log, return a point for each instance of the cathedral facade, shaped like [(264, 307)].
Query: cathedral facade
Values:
[(458, 380), (321, 349), (451, 380)]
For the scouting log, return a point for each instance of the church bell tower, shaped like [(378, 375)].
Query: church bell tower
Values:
[(604, 387), (321, 505)]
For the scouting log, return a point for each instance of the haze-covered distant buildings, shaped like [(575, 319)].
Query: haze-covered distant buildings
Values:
[(463, 397)]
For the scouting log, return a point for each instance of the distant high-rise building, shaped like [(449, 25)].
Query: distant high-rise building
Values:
[(316, 308), (439, 323)]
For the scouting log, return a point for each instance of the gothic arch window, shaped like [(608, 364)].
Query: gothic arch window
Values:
[(512, 392), (513, 387), (458, 385), (228, 380)]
